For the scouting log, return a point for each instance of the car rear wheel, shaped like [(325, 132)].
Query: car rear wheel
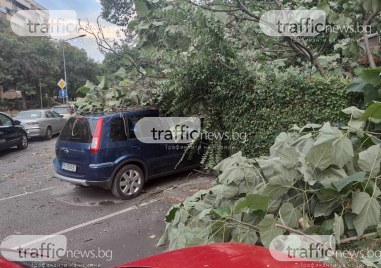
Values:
[(23, 142), (128, 182), (49, 133)]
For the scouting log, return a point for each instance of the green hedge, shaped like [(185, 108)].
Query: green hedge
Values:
[(261, 104), (274, 104)]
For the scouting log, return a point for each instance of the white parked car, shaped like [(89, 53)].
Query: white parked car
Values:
[(41, 123)]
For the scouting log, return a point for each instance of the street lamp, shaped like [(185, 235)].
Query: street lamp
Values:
[(64, 63)]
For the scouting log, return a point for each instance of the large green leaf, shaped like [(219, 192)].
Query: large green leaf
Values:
[(367, 209), (357, 177), (253, 201), (356, 85), (141, 8), (371, 76), (289, 215), (370, 160), (332, 147), (268, 229), (373, 111)]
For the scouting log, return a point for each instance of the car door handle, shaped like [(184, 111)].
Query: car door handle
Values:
[(137, 147)]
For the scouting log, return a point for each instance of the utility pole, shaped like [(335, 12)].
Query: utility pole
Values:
[(64, 63)]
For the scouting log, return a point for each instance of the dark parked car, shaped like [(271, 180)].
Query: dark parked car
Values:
[(12, 133), (102, 150)]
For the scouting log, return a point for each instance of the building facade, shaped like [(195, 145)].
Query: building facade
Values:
[(9, 9)]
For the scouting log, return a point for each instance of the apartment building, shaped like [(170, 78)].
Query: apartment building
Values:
[(9, 8)]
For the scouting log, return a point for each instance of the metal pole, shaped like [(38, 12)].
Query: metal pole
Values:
[(64, 62), (42, 106)]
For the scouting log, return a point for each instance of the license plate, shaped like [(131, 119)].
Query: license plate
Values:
[(69, 167)]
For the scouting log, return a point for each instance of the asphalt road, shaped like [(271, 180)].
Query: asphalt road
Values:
[(32, 202)]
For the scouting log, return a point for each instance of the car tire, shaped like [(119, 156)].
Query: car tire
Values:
[(23, 142), (48, 133), (128, 182)]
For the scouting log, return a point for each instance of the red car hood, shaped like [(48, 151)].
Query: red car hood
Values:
[(225, 255), (7, 264)]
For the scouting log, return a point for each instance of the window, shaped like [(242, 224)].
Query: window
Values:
[(28, 115), (48, 115), (119, 129), (78, 130), (5, 120), (55, 115)]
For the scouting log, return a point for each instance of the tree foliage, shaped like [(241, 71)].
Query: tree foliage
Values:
[(316, 179), (25, 62)]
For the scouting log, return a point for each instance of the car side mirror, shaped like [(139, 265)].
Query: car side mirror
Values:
[(17, 122), (61, 116)]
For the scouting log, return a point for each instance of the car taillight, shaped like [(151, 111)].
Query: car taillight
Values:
[(32, 123), (96, 141)]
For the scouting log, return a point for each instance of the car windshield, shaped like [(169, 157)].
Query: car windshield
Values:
[(28, 115), (60, 110)]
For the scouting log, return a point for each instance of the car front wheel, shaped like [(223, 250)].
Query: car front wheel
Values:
[(23, 142), (128, 182)]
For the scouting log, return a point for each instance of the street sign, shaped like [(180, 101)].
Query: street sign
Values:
[(62, 94), (62, 84)]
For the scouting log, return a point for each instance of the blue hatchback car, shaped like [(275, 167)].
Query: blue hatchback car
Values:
[(102, 150)]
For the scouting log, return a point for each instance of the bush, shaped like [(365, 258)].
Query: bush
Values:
[(259, 104), (275, 103)]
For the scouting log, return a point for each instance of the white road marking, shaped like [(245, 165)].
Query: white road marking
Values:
[(26, 193), (86, 224)]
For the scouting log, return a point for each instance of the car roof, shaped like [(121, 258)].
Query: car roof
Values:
[(35, 110), (132, 112)]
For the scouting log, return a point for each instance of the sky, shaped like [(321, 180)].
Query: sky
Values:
[(85, 9)]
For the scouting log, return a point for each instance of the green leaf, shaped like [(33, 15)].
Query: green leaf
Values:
[(371, 76), (370, 160), (356, 85), (357, 177), (373, 111), (289, 215), (171, 213), (124, 83), (367, 209), (338, 227), (141, 8), (252, 201), (268, 230), (121, 73), (83, 90), (353, 111), (244, 236), (332, 147)]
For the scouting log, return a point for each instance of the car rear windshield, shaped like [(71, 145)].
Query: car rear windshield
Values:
[(28, 115), (60, 110), (79, 129)]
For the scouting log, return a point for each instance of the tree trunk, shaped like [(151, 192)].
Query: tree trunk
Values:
[(1, 92), (368, 51)]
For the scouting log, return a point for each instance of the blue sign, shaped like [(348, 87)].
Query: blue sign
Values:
[(62, 93)]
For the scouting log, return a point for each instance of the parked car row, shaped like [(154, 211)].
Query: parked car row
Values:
[(98, 149), (32, 123)]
